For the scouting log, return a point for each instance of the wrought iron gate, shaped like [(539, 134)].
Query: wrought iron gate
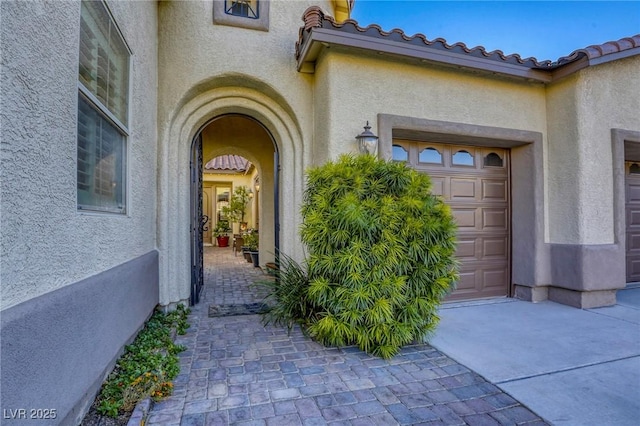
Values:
[(198, 221)]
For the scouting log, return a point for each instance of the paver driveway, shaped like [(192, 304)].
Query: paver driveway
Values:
[(238, 372)]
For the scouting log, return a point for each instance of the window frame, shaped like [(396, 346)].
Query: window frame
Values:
[(261, 23), (102, 110), (235, 2)]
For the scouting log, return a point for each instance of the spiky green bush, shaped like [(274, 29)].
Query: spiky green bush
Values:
[(381, 254), (286, 298)]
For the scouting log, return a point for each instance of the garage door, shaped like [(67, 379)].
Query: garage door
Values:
[(632, 213), (474, 181)]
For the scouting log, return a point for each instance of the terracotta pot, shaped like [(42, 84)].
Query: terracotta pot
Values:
[(223, 241)]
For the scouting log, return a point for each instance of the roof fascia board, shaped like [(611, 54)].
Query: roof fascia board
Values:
[(569, 69), (585, 62), (615, 56), (323, 36)]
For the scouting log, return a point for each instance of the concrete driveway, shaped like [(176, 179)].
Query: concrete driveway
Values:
[(570, 366)]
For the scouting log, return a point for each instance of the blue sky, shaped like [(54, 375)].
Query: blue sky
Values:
[(542, 29)]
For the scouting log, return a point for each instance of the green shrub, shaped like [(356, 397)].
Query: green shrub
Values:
[(381, 254), (147, 366), (287, 302)]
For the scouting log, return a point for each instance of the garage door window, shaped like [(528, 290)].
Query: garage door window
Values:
[(398, 153), (462, 158), (430, 156), (493, 160)]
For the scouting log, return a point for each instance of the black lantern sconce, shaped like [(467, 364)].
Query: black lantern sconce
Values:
[(367, 141)]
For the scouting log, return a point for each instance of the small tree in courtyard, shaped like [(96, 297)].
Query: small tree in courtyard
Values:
[(237, 205)]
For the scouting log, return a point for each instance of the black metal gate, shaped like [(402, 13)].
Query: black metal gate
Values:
[(198, 221)]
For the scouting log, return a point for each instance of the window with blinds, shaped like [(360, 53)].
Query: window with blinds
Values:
[(103, 83)]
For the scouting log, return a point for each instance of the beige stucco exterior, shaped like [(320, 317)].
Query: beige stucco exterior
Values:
[(360, 87), (188, 71), (74, 287), (46, 243), (261, 83), (205, 71), (581, 111), (256, 90)]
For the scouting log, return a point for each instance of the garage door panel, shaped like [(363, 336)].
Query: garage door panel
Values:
[(633, 242), (466, 248), (633, 191), (437, 185), (494, 278), (633, 268), (465, 218), (467, 281), (632, 219), (463, 189), (494, 190), (494, 218), (495, 247)]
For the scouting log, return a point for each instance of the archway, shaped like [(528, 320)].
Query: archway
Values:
[(242, 135), (186, 120)]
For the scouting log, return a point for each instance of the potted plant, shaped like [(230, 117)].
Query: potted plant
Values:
[(235, 211), (221, 233), (246, 253), (251, 239)]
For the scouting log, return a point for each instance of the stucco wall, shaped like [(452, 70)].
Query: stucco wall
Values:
[(581, 111), (46, 243), (191, 55), (57, 349), (206, 70), (362, 87)]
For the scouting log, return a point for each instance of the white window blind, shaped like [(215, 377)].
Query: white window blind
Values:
[(103, 76), (101, 161), (104, 60)]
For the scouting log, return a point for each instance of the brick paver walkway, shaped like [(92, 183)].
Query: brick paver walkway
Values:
[(237, 372)]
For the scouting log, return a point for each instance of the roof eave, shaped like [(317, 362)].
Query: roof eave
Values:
[(318, 38), (615, 56)]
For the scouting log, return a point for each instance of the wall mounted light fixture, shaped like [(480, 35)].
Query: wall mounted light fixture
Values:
[(367, 141)]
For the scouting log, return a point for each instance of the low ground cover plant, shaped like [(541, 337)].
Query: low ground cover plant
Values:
[(380, 257), (147, 366)]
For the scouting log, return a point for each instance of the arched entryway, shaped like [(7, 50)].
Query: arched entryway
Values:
[(229, 135), (210, 101)]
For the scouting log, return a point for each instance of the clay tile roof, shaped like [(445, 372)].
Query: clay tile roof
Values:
[(315, 18), (228, 162), (599, 50)]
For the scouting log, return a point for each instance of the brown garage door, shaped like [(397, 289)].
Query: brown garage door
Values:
[(474, 181), (632, 213)]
